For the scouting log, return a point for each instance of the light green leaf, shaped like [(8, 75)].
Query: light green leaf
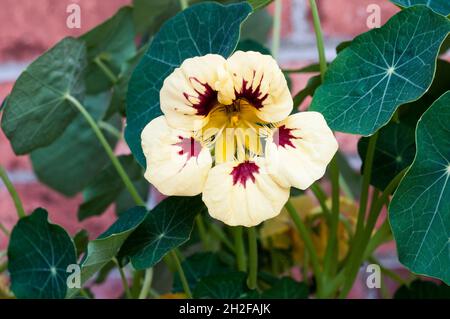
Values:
[(439, 6), (257, 26), (149, 15), (394, 151), (166, 227), (111, 44), (258, 4), (420, 289), (223, 286), (70, 163), (107, 186), (81, 240), (419, 212), (101, 250), (37, 112), (380, 70), (38, 256), (287, 288), (199, 30)]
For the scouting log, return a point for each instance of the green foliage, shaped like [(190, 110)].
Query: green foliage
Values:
[(419, 212), (107, 187), (258, 4), (185, 35), (37, 112), (439, 6), (101, 250), (38, 256), (380, 70), (70, 163), (420, 289), (286, 288), (166, 227), (223, 286)]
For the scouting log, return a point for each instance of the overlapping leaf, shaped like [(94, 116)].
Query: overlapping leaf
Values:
[(420, 209), (37, 112), (166, 227), (199, 30), (38, 256), (420, 289), (70, 163), (380, 70), (286, 288), (101, 250), (224, 286), (440, 6)]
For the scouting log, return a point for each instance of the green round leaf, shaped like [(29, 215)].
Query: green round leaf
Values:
[(380, 70), (38, 256), (419, 212), (37, 112), (439, 6), (101, 250), (199, 30), (287, 288), (71, 162), (420, 289), (232, 285), (166, 227), (394, 151)]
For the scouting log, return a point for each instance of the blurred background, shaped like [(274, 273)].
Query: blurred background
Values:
[(29, 27)]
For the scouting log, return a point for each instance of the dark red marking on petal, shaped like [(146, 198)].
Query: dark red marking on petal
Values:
[(253, 96), (207, 98), (243, 172), (189, 146), (283, 136)]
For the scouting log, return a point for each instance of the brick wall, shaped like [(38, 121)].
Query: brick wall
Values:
[(29, 27)]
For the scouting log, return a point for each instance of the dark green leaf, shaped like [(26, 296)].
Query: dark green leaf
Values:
[(258, 4), (343, 45), (286, 288), (70, 163), (312, 68), (419, 289), (257, 26), (37, 112), (38, 256), (394, 151), (309, 90), (149, 15), (252, 45), (81, 240), (166, 227), (107, 186), (439, 6), (349, 175), (112, 44), (199, 30), (197, 267), (380, 70), (2, 106), (101, 250), (223, 286), (419, 212)]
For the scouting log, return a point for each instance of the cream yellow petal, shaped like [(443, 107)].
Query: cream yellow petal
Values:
[(188, 95), (176, 163), (243, 193), (257, 79), (300, 149)]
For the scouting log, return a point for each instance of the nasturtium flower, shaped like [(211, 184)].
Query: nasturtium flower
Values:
[(226, 132)]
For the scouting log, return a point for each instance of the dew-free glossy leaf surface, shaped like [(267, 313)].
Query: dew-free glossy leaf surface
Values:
[(199, 30), (71, 162), (440, 6), (419, 212), (167, 226), (38, 256), (380, 70), (37, 112), (107, 186), (101, 250), (394, 151), (111, 43), (224, 286), (286, 288)]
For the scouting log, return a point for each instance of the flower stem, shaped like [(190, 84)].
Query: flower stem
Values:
[(239, 248), (110, 129), (319, 38), (120, 170), (252, 258), (202, 231), (180, 270), (123, 278), (220, 235), (304, 234), (12, 191), (4, 230), (184, 4), (147, 284), (321, 196), (276, 29), (109, 74)]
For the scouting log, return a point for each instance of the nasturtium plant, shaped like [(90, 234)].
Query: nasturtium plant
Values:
[(230, 191), (420, 210)]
